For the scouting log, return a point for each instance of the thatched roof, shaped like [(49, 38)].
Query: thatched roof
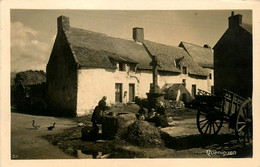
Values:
[(93, 50), (169, 55), (117, 48), (203, 56), (92, 59), (30, 77)]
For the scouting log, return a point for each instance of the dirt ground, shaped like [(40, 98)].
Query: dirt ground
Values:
[(64, 141), (27, 142)]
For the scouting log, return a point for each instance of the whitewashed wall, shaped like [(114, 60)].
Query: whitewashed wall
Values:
[(210, 81), (93, 84)]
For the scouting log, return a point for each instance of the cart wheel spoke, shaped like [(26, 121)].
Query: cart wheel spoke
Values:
[(241, 128), (206, 121), (242, 116), (207, 128), (213, 127), (216, 124), (203, 120), (244, 122), (202, 113), (204, 124)]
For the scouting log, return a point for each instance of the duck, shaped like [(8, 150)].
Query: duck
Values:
[(34, 125), (51, 127)]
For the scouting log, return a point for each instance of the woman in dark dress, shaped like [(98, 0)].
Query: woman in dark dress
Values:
[(98, 112), (97, 116), (160, 118)]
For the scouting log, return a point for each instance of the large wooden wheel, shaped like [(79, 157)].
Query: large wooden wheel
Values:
[(209, 122), (243, 127)]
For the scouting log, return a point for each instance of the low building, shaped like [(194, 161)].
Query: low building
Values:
[(28, 91), (86, 65), (203, 55), (233, 58)]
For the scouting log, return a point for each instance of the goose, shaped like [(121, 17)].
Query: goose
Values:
[(34, 125), (51, 127)]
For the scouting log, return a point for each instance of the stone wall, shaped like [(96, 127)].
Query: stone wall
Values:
[(62, 79)]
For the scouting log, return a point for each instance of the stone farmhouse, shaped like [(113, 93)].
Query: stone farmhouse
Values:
[(233, 58), (85, 65)]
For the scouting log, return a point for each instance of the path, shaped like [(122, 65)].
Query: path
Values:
[(26, 142)]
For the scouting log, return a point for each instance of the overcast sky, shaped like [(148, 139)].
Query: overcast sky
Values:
[(33, 31)]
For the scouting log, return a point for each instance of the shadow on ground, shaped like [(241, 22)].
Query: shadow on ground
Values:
[(220, 143)]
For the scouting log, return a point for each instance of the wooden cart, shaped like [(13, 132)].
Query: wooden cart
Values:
[(235, 110)]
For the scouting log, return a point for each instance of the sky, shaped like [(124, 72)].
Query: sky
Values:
[(33, 31)]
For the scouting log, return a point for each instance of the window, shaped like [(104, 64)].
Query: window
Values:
[(132, 67), (184, 70), (114, 63), (121, 66), (210, 76)]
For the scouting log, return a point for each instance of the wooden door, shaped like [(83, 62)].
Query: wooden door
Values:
[(131, 93), (193, 90), (118, 92)]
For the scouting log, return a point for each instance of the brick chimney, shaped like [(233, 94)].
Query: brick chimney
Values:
[(63, 23), (138, 34), (234, 20)]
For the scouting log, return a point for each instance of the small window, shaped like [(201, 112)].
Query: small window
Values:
[(184, 70), (210, 76), (114, 63), (132, 67), (121, 66)]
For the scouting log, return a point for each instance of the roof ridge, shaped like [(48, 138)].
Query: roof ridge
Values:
[(177, 47), (103, 34), (194, 45)]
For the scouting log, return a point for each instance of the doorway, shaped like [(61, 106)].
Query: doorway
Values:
[(193, 90), (118, 92), (131, 93)]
